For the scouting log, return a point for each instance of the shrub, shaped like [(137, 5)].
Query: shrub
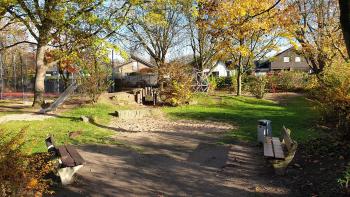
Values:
[(177, 87), (344, 181), (333, 95), (234, 83), (95, 82), (223, 82), (21, 175), (257, 86), (288, 81), (213, 84)]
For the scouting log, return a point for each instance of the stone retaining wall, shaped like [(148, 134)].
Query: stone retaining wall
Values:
[(133, 114)]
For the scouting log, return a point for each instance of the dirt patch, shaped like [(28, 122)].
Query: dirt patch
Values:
[(174, 158), (282, 98)]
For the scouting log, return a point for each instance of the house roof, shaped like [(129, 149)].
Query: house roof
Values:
[(289, 49), (135, 58)]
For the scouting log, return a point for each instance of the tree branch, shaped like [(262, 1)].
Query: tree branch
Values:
[(15, 44)]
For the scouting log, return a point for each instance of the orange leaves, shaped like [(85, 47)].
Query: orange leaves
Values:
[(21, 175), (32, 183)]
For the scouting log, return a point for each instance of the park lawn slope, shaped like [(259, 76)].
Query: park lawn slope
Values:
[(62, 124), (297, 113)]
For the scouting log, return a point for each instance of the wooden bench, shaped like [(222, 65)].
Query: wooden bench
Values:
[(280, 153), (69, 160)]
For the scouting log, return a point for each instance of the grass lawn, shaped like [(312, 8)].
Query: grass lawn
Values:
[(37, 131), (298, 114)]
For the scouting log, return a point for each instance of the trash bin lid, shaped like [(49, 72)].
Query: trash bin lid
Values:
[(264, 122)]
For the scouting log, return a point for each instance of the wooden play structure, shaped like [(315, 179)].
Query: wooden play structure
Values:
[(147, 95)]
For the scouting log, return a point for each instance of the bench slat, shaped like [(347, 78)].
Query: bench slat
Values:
[(66, 159), (75, 155), (277, 148), (268, 150)]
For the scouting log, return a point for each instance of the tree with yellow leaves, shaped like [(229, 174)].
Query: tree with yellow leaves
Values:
[(248, 30), (317, 30)]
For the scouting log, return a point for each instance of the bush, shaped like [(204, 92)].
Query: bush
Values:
[(95, 82), (21, 175), (257, 86), (333, 94), (223, 82), (288, 81), (344, 181), (234, 83), (177, 87), (213, 84)]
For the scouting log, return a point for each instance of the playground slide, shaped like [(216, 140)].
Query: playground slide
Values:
[(60, 99)]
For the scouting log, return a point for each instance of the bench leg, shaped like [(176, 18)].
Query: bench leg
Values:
[(66, 174)]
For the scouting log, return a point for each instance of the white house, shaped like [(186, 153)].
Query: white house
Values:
[(220, 70)]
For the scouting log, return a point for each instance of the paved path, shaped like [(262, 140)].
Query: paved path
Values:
[(173, 158)]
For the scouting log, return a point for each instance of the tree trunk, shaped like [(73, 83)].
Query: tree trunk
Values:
[(40, 77), (345, 21), (239, 81)]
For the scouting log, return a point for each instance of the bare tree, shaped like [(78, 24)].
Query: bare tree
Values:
[(204, 45), (155, 27)]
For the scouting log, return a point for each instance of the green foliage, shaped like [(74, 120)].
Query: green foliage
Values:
[(333, 93), (95, 64), (223, 82), (234, 83), (213, 84), (344, 181), (289, 81), (257, 86), (21, 175), (244, 112), (177, 88), (182, 94)]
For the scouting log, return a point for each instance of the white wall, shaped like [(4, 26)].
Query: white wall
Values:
[(220, 68)]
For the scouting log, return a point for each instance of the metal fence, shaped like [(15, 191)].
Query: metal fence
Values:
[(11, 87)]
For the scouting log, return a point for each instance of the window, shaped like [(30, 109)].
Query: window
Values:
[(215, 74), (286, 59), (297, 59)]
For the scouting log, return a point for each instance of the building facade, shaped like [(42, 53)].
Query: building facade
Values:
[(288, 60)]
